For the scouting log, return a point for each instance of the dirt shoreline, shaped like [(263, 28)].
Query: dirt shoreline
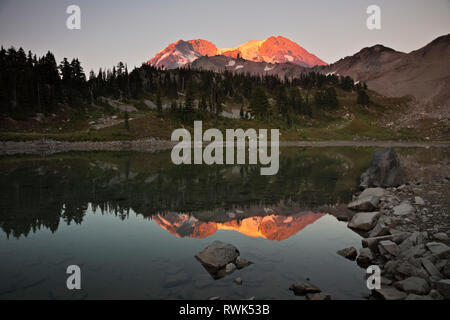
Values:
[(152, 145)]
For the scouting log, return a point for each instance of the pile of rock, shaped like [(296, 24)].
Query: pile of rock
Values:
[(414, 264)]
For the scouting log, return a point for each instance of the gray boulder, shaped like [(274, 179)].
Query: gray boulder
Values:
[(414, 285), (389, 293), (439, 249), (443, 286), (217, 255), (365, 258), (377, 192), (403, 209), (384, 170), (364, 221), (365, 204), (388, 248), (242, 263)]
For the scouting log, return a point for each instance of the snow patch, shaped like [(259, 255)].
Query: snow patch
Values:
[(231, 63), (289, 58), (267, 68), (239, 67)]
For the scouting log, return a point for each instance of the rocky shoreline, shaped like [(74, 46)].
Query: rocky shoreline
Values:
[(47, 147), (405, 229)]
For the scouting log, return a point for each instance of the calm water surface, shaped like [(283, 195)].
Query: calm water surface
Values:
[(133, 222)]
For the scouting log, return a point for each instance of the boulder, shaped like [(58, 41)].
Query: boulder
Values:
[(431, 268), (349, 253), (389, 293), (419, 201), (410, 268), (403, 209), (365, 258), (382, 228), (387, 247), (443, 287), (446, 270), (318, 296), (384, 170), (365, 204), (242, 263), (441, 236), (414, 285), (364, 220), (369, 192), (238, 281), (439, 249), (217, 255), (230, 268), (304, 288)]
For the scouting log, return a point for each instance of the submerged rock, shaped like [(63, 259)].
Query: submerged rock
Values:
[(349, 253), (318, 296), (242, 263), (304, 288), (384, 170), (365, 257)]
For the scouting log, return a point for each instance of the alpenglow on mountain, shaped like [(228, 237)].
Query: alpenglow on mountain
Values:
[(271, 50)]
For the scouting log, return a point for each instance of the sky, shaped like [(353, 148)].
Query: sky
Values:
[(133, 31)]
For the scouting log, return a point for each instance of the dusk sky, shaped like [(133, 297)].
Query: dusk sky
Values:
[(134, 31)]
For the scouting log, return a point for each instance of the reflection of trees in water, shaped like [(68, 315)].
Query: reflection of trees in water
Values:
[(36, 194)]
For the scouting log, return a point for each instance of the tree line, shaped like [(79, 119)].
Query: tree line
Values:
[(30, 85)]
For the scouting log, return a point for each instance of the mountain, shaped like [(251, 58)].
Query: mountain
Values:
[(271, 227), (272, 50), (423, 73)]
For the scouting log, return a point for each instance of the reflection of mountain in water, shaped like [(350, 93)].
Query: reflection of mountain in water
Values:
[(41, 192), (271, 227)]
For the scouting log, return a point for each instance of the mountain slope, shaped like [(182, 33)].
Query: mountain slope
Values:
[(423, 74), (272, 50)]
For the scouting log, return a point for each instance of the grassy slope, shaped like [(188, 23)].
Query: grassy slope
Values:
[(349, 122)]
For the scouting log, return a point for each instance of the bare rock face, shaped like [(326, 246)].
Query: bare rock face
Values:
[(384, 170), (217, 255)]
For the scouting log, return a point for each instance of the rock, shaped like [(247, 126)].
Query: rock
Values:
[(365, 204), (365, 257), (385, 281), (238, 281), (230, 268), (413, 285), (242, 263), (435, 295), (364, 220), (446, 270), (431, 268), (419, 201), (403, 209), (349, 253), (389, 293), (387, 247), (377, 192), (384, 170), (382, 228), (318, 296), (217, 255), (177, 279), (341, 212), (441, 236), (410, 268), (413, 252), (413, 296), (443, 287), (303, 288), (373, 242), (439, 249), (214, 298)]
